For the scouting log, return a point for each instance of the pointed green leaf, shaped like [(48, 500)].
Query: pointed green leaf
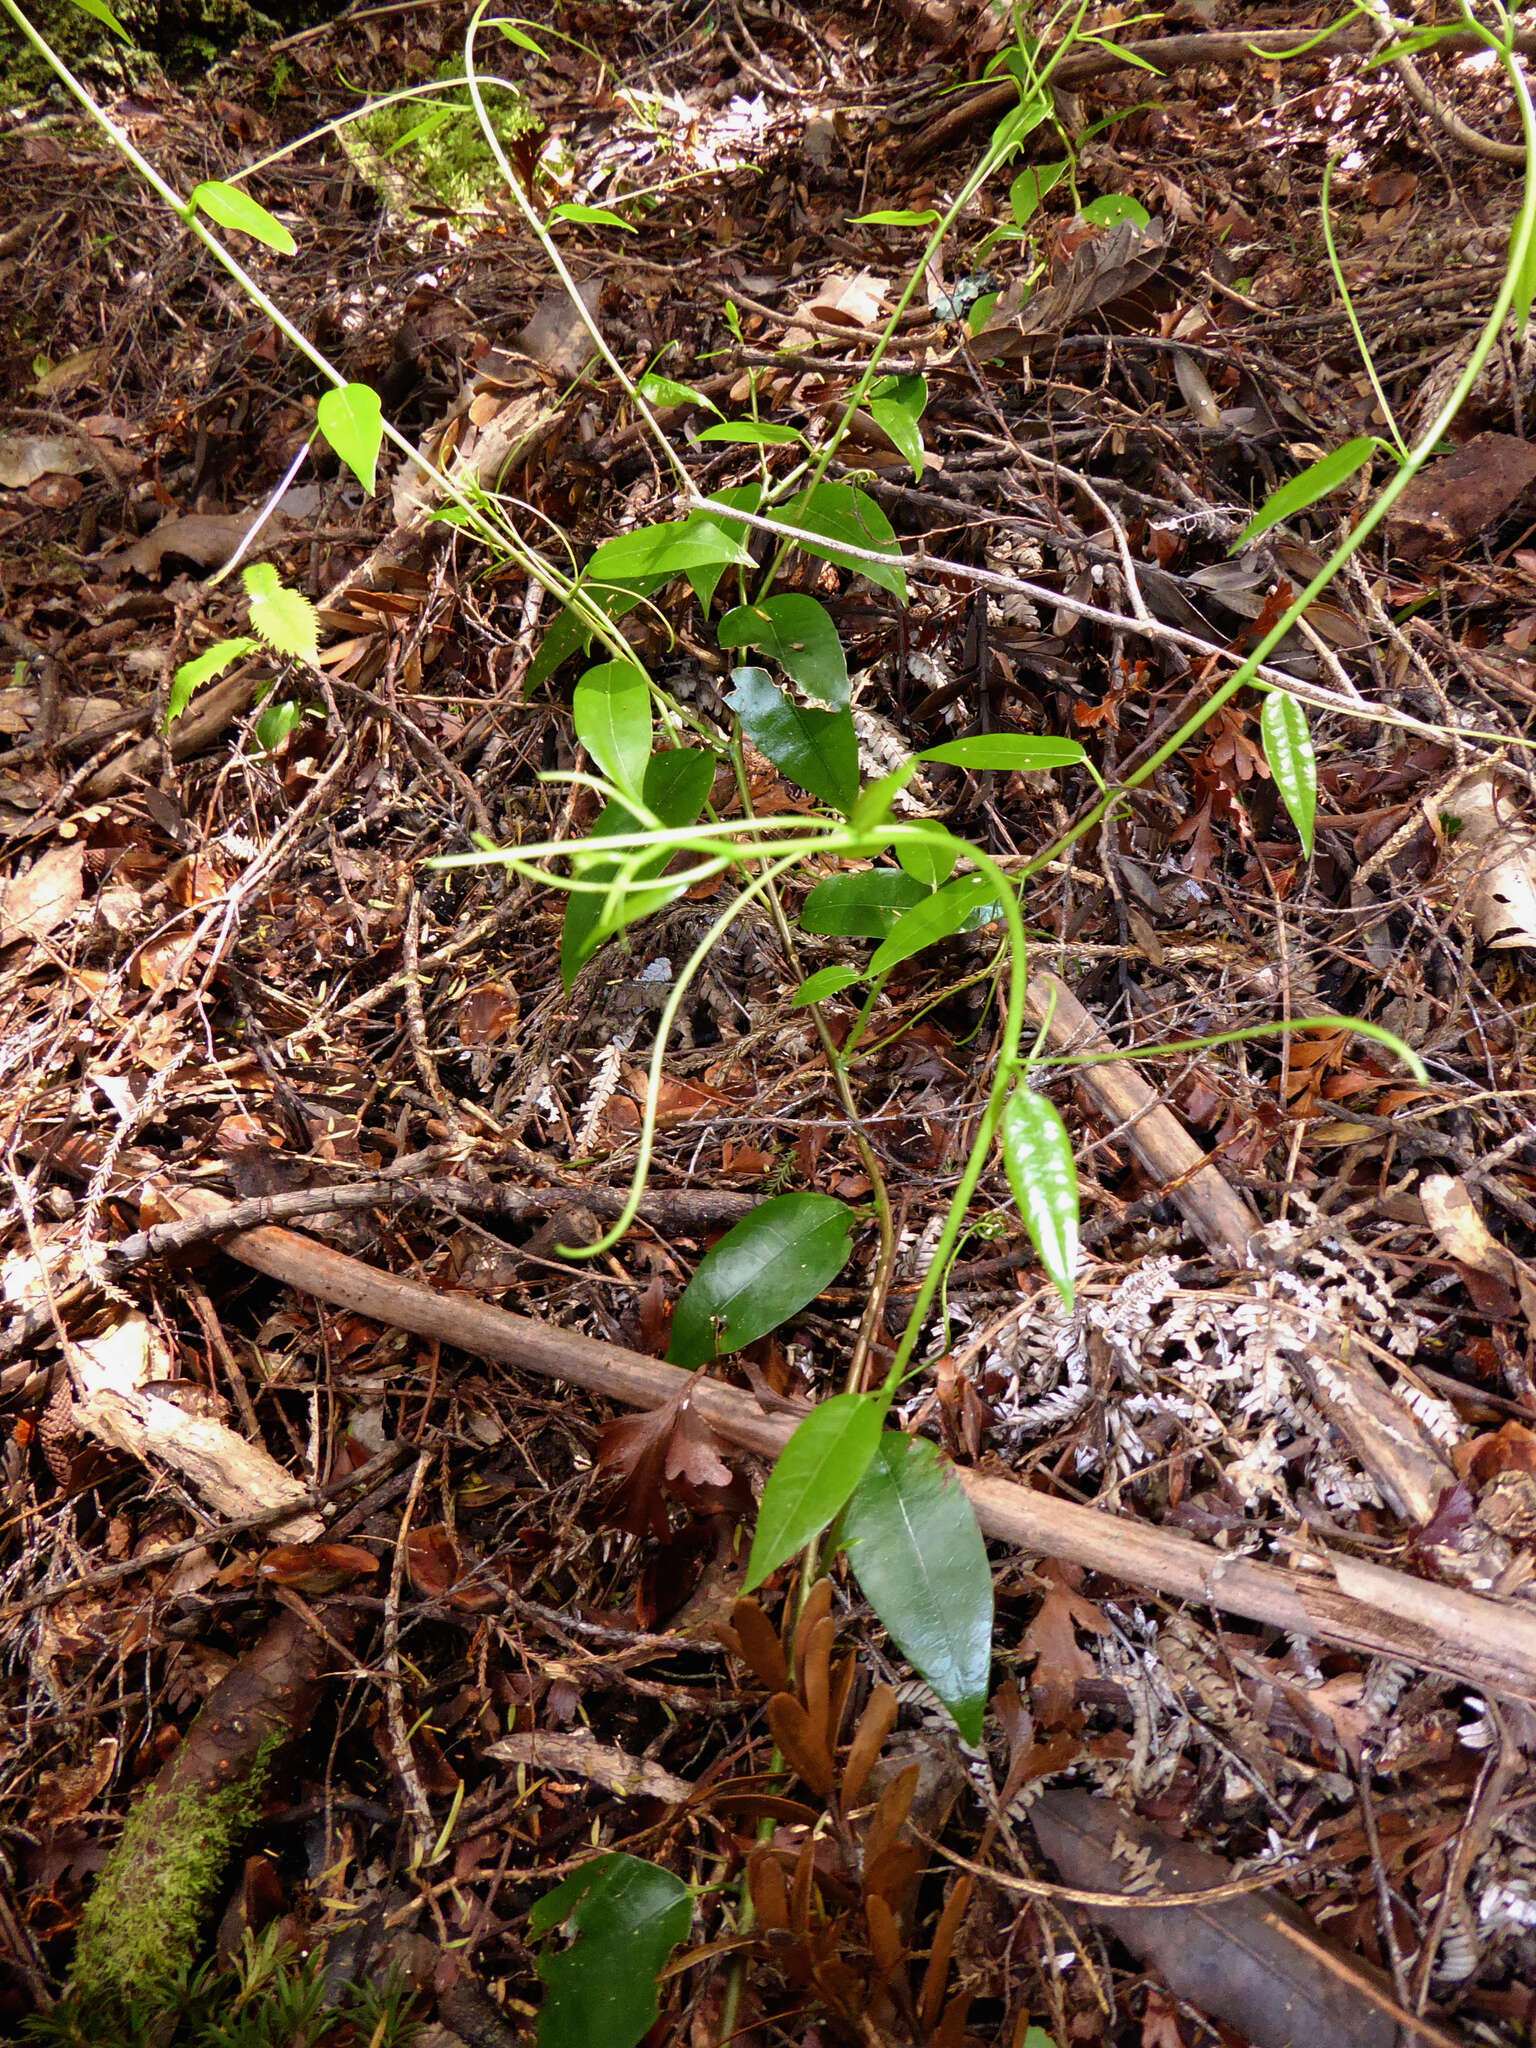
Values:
[(1025, 118), (1314, 482), (764, 1270), (931, 859), (816, 1471), (516, 35), (590, 216), (276, 722), (896, 406), (232, 208), (98, 10), (658, 390), (284, 618), (752, 433), (840, 513), (601, 1992), (667, 550), (1005, 752), (920, 1560), (1292, 762), (676, 784), (1119, 50), (893, 217), (570, 634), (746, 498), (1042, 1173), (961, 906), (192, 675), (873, 808), (826, 981), (817, 749), (612, 708), (861, 905), (1030, 188), (352, 422), (1115, 207), (798, 634)]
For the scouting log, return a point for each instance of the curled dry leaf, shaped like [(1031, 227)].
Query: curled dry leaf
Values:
[(666, 1446), (36, 903), (1493, 863)]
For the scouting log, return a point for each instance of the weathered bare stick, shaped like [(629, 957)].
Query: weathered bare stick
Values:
[(1384, 1613)]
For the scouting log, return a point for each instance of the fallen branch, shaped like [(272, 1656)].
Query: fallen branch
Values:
[(1364, 1607)]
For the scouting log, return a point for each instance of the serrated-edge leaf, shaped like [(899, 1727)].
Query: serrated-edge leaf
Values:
[(939, 916), (817, 749), (232, 208), (825, 982), (1017, 753), (764, 1270), (284, 618), (611, 707), (1292, 760), (921, 1562), (353, 423), (202, 668), (798, 633), (812, 1478), (1310, 484), (1037, 1154)]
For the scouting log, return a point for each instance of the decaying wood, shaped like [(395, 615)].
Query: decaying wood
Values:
[(1253, 1960), (1478, 1641), (1390, 1441)]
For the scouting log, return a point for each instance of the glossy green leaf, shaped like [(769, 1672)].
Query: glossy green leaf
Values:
[(628, 1916), (284, 618), (920, 1560), (960, 906), (676, 784), (812, 1478), (873, 808), (232, 208), (612, 709), (797, 633), (931, 859), (202, 668), (817, 749), (590, 216), (1004, 752), (1314, 482), (276, 722), (825, 982), (353, 424), (896, 404), (658, 390), (981, 313), (842, 513), (766, 1268), (98, 10), (893, 217), (667, 550), (753, 433), (1292, 761), (1031, 187), (1113, 208), (746, 498), (1022, 122), (862, 905), (1042, 1173)]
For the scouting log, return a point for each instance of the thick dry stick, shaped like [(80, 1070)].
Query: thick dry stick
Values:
[(1384, 1613)]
